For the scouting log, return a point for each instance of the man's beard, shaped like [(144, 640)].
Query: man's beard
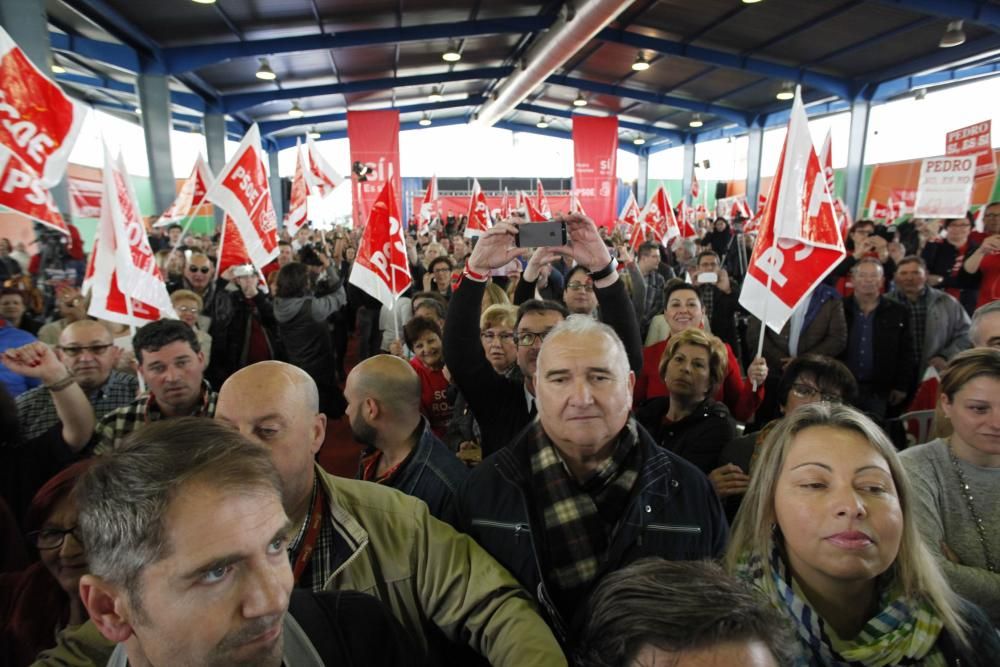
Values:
[(363, 432)]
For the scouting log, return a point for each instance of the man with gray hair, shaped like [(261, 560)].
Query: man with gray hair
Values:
[(985, 329), (186, 537), (584, 490)]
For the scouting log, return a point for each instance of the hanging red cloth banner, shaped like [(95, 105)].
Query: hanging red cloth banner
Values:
[(374, 140), (595, 152)]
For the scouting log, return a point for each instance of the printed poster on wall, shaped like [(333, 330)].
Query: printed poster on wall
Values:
[(974, 140)]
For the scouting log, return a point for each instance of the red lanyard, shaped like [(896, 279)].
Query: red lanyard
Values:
[(309, 541)]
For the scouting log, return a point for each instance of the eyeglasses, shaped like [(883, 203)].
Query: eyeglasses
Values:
[(577, 287), (991, 216), (807, 391), (202, 269), (528, 338), (77, 350), (187, 309), (489, 336), (53, 538)]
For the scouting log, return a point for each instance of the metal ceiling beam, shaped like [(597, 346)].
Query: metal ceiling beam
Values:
[(109, 18), (889, 89), (940, 59), (734, 115), (672, 135), (874, 39), (187, 58), (118, 55), (547, 132), (805, 25), (981, 13), (268, 127), (187, 100), (240, 101), (831, 84)]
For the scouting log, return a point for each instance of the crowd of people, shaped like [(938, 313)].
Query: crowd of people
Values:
[(565, 455)]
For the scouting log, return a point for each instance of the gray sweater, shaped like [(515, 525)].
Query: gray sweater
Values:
[(943, 516)]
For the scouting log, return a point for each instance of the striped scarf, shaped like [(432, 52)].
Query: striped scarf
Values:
[(904, 632)]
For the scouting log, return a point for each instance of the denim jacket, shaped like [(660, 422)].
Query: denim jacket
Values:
[(433, 473)]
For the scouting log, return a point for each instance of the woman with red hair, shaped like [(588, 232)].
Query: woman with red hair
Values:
[(38, 602)]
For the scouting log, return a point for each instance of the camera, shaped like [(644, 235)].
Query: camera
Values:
[(243, 271)]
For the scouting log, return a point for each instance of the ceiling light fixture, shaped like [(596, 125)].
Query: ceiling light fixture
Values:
[(58, 69), (424, 120), (314, 133), (638, 141), (204, 2), (953, 35), (640, 64), (138, 111), (787, 91), (750, 2), (696, 121), (435, 95), (296, 111), (542, 123), (264, 72), (451, 55), (580, 100), (920, 94)]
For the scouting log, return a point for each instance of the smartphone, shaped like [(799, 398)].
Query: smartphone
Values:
[(541, 234), (708, 277)]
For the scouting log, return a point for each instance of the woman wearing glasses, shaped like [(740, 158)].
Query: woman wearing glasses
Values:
[(188, 306), (957, 480), (38, 602), (985, 260), (945, 259), (828, 533)]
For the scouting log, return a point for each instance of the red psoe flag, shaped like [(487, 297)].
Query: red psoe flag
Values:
[(479, 212), (191, 196), (505, 205), (798, 243), (541, 203), (322, 177), (684, 215), (22, 192), (38, 122), (298, 198), (658, 216), (534, 213), (630, 212), (428, 206), (694, 186), (381, 267), (242, 191)]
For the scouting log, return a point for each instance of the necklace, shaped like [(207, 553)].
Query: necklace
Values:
[(977, 520)]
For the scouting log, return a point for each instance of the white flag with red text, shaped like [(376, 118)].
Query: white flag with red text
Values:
[(123, 260), (798, 242), (242, 191), (322, 177), (505, 205), (428, 207), (479, 212), (541, 203), (659, 217), (630, 212), (381, 267), (298, 206), (191, 196)]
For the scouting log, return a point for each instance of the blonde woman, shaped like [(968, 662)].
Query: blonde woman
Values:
[(957, 479), (828, 532), (188, 306)]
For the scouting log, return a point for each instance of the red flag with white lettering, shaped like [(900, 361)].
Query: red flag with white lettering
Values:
[(798, 243), (242, 191), (541, 203), (191, 196), (659, 217), (22, 192), (298, 199), (84, 197), (38, 122), (694, 186), (505, 205), (479, 212), (428, 206), (321, 176), (575, 206), (683, 221), (520, 204), (381, 267), (374, 142), (534, 213)]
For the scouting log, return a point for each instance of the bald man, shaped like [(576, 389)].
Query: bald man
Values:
[(354, 535), (401, 451)]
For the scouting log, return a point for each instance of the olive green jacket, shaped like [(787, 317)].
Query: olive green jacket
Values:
[(425, 571)]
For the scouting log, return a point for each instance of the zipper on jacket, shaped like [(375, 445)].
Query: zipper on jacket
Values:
[(517, 528), (674, 528)]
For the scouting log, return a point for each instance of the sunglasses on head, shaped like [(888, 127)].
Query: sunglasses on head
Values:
[(196, 269)]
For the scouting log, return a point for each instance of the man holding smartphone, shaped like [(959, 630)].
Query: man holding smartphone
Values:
[(503, 406)]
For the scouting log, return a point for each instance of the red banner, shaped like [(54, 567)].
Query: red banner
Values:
[(374, 140), (973, 140), (595, 153), (85, 197), (242, 191)]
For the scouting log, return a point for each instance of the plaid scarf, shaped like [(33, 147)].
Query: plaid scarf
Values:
[(579, 518), (918, 319), (707, 293), (904, 632)]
